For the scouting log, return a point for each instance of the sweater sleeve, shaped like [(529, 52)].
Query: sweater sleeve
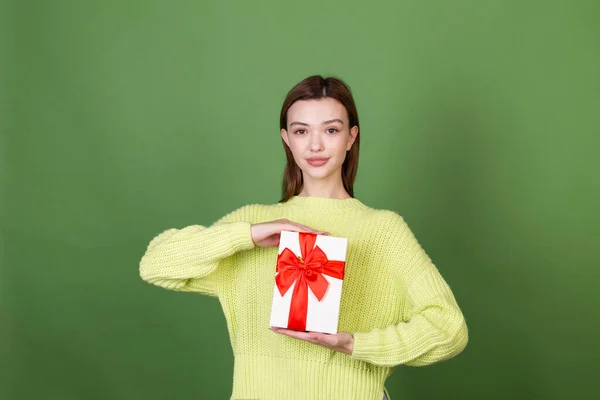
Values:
[(188, 259), (432, 328)]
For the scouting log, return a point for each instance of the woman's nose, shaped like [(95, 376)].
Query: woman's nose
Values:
[(315, 142)]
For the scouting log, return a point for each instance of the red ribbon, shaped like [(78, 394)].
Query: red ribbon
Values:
[(306, 271)]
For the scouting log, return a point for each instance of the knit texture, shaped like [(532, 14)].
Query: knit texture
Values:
[(394, 300)]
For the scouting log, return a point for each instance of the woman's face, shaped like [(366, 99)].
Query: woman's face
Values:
[(319, 136)]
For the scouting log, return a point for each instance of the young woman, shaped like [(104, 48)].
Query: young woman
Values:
[(395, 309)]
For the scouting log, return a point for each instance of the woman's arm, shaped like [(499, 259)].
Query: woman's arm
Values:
[(433, 329), (188, 259)]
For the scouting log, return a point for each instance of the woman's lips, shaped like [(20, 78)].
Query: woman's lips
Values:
[(317, 162)]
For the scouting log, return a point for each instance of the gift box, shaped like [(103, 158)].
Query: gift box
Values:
[(308, 282)]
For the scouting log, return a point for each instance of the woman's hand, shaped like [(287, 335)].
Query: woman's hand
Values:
[(266, 234), (341, 341)]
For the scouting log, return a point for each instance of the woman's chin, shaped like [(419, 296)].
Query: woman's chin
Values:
[(318, 177), (319, 173)]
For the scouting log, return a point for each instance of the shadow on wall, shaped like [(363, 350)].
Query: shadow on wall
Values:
[(455, 202)]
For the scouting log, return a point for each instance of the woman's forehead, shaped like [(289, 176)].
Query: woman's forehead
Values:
[(315, 111)]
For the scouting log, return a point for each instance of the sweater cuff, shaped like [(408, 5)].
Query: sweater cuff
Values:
[(365, 345), (240, 234)]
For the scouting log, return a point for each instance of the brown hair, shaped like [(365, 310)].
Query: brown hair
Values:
[(318, 87)]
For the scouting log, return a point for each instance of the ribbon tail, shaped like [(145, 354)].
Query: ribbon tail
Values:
[(318, 285), (299, 305)]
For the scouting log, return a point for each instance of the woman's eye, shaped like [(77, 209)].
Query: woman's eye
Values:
[(332, 130), (300, 131)]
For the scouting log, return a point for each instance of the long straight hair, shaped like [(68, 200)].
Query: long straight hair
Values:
[(311, 88)]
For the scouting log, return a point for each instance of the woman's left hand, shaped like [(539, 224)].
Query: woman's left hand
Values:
[(341, 341)]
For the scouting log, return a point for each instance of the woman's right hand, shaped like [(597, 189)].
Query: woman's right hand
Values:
[(266, 234)]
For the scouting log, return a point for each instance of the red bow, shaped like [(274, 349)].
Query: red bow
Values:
[(306, 271)]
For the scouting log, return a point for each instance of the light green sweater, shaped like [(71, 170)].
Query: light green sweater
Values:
[(394, 300)]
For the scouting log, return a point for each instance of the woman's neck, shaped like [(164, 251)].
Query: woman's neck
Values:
[(341, 196), (335, 192)]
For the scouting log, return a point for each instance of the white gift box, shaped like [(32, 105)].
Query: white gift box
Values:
[(308, 282)]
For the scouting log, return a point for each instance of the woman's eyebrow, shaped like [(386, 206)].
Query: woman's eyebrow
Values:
[(298, 123), (323, 123)]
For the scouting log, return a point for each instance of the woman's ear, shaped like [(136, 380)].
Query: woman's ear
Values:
[(284, 137), (353, 134)]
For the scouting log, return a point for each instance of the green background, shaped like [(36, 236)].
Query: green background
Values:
[(120, 119)]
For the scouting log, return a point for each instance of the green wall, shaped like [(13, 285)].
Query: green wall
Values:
[(120, 119)]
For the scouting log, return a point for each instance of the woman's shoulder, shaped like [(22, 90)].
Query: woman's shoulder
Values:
[(250, 212), (389, 228), (391, 217), (385, 217)]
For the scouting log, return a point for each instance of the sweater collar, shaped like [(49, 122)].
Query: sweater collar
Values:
[(325, 203)]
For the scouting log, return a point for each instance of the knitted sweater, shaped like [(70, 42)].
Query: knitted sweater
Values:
[(394, 300)]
